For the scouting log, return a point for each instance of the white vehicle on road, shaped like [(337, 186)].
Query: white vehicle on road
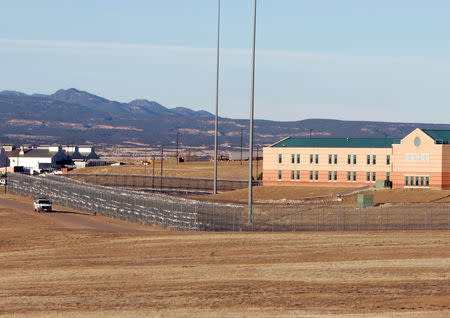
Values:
[(42, 204)]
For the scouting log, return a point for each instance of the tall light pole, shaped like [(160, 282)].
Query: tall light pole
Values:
[(252, 107), (216, 122)]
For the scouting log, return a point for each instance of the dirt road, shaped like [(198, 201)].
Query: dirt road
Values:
[(76, 265), (69, 219)]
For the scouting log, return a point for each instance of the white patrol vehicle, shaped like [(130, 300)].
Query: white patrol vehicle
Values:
[(42, 204)]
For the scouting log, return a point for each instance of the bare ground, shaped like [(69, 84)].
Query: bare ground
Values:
[(230, 170), (58, 268), (299, 193)]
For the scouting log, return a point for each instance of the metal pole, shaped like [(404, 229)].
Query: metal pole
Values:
[(161, 177), (153, 173), (216, 122), (252, 107), (242, 130), (178, 133)]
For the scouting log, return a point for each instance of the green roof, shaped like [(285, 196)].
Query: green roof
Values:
[(439, 136), (337, 142)]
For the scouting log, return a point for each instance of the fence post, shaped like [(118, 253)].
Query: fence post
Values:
[(359, 221), (273, 215), (295, 218), (214, 217), (403, 213), (337, 219), (431, 217), (317, 218)]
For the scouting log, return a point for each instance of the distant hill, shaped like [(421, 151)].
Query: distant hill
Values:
[(73, 116)]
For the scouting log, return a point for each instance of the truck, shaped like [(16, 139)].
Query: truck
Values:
[(42, 204)]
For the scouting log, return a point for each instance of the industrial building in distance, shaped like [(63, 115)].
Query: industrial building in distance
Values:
[(419, 160)]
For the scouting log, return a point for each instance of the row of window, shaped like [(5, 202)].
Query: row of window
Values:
[(332, 175), (417, 156), (417, 181), (333, 159)]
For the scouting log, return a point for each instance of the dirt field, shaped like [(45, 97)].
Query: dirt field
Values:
[(69, 264), (236, 171), (229, 170), (298, 193)]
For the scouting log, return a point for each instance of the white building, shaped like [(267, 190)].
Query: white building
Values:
[(36, 159)]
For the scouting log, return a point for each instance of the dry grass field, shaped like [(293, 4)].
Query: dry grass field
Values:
[(298, 193), (66, 264), (236, 171), (230, 170)]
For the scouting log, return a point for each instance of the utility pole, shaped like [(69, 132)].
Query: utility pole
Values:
[(310, 133), (153, 173), (161, 177), (242, 130), (178, 133), (216, 122), (250, 146)]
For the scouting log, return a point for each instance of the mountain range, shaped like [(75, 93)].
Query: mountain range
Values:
[(73, 116)]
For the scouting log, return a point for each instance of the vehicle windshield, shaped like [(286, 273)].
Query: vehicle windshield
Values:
[(44, 202)]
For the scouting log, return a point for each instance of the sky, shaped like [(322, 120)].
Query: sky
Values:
[(378, 60)]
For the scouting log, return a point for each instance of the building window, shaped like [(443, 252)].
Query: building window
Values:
[(411, 181), (292, 158), (335, 159), (421, 181), (311, 158), (349, 159), (292, 174), (368, 176), (374, 159), (427, 156), (374, 176), (354, 159), (317, 175), (279, 174), (329, 175), (407, 157), (406, 181), (388, 159), (368, 159), (388, 175), (417, 181), (354, 175), (335, 176), (329, 159), (298, 174), (317, 158), (427, 181), (280, 158), (311, 175), (349, 176), (298, 158)]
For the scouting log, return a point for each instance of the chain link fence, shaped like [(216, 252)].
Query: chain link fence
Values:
[(169, 212), (158, 182), (189, 215)]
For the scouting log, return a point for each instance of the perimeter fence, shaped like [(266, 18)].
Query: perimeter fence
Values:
[(189, 215), (158, 182)]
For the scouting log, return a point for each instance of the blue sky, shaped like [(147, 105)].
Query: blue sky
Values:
[(349, 59)]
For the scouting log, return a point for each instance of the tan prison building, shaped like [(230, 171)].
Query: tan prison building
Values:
[(419, 160)]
